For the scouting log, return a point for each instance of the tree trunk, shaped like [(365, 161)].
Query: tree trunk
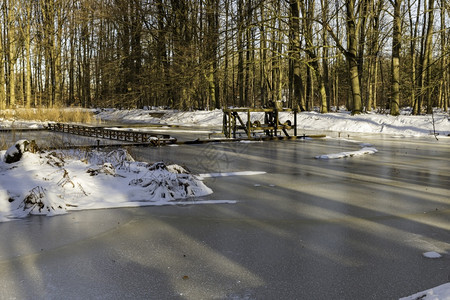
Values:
[(413, 56), (240, 49), (425, 64), (445, 48), (396, 45), (361, 33), (2, 74), (57, 55), (162, 64), (428, 53), (27, 41), (352, 59), (12, 47), (48, 24), (297, 85), (72, 58), (355, 103), (325, 61), (276, 86), (325, 81), (373, 50), (211, 51), (225, 90)]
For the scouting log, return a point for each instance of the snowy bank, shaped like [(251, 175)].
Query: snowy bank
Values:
[(50, 183), (406, 125), (342, 121), (8, 124)]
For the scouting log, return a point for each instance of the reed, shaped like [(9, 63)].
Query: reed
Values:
[(3, 144), (66, 115)]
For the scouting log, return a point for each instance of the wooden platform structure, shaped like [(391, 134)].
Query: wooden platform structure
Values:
[(233, 123), (113, 134)]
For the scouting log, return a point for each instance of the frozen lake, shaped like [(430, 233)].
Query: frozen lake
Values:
[(352, 228)]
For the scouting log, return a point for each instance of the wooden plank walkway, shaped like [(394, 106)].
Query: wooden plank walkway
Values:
[(113, 134)]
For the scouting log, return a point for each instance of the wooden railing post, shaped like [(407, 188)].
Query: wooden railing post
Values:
[(295, 122), (249, 124)]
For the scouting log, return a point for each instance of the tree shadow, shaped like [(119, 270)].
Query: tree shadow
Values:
[(307, 229)]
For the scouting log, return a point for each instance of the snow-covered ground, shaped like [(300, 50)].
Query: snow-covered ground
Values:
[(402, 125), (342, 121), (49, 183)]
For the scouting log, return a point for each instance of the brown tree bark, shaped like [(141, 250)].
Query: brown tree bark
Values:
[(396, 46), (296, 78)]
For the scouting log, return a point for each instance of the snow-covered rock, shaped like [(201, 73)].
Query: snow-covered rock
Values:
[(14, 153)]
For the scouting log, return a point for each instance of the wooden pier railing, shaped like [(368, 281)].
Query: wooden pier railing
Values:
[(113, 134), (233, 122)]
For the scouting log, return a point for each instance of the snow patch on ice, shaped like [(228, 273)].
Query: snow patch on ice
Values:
[(432, 254), (250, 141), (363, 151), (441, 292), (226, 174)]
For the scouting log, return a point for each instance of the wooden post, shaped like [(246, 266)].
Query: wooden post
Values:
[(224, 124), (295, 122), (234, 124), (249, 125), (229, 124), (275, 125)]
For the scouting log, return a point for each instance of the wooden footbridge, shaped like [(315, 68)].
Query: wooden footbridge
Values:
[(136, 137), (238, 120)]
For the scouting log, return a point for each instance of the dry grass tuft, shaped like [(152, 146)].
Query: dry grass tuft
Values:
[(3, 145), (66, 115)]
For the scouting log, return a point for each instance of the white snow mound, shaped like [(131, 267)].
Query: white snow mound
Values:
[(50, 183), (432, 254)]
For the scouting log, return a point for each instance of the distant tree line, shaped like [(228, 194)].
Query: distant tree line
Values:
[(184, 54)]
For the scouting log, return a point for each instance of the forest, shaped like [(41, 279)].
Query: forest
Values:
[(206, 54)]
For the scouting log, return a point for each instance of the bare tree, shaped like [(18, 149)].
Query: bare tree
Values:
[(298, 100), (354, 21), (12, 49), (2, 63), (445, 49), (425, 60), (373, 53), (396, 45), (212, 53)]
